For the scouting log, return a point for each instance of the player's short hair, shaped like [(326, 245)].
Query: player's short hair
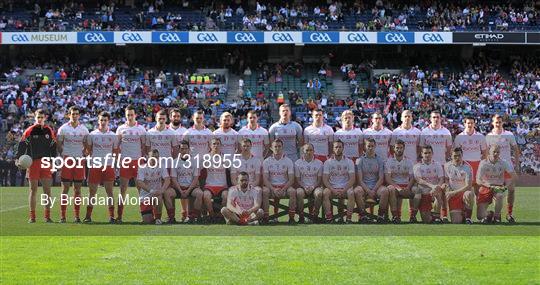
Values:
[(184, 142), (246, 140), (153, 152), (496, 116), (215, 139), (435, 112), (469, 118), (369, 140), (306, 145), (457, 149), (130, 108), (399, 142), (406, 112), (346, 113), (376, 114), (105, 114), (427, 147), (278, 141), (495, 146), (283, 106), (161, 112), (252, 112), (338, 141), (198, 112), (317, 110), (73, 108), (39, 112), (174, 110), (225, 114), (243, 173)]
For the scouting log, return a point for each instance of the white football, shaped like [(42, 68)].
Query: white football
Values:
[(25, 161)]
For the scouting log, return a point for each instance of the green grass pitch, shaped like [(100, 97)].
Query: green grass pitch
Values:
[(100, 253)]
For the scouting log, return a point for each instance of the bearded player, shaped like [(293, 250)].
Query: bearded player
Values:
[(509, 152), (72, 145), (308, 173), (227, 135), (132, 139), (243, 203), (458, 188), (338, 180), (176, 125), (492, 182), (278, 179), (102, 143), (399, 178)]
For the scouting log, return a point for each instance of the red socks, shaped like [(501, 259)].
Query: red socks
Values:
[(510, 209)]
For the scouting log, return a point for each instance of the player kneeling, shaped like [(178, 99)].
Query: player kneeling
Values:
[(243, 203), (338, 178), (184, 182), (458, 188), (491, 178), (429, 178), (152, 181), (308, 173)]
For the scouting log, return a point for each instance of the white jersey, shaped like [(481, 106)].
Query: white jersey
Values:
[(506, 141), (163, 141), (308, 172), (411, 138), (228, 139), (439, 140), (131, 140), (430, 173), (351, 139), (73, 139), (382, 139), (103, 144), (319, 137), (243, 200), (339, 171), (152, 177), (184, 172), (180, 131), (458, 175), (493, 173), (278, 171), (289, 133), (472, 145), (400, 171), (258, 137), (252, 166), (199, 141), (216, 175)]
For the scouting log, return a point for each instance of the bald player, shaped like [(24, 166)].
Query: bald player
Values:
[(350, 136), (290, 133)]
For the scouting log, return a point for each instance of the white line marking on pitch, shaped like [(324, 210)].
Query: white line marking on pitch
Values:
[(12, 209)]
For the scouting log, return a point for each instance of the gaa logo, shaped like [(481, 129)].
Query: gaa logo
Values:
[(169, 37), (357, 37), (432, 38), (94, 37), (320, 37), (207, 37), (282, 37), (19, 38), (395, 38), (244, 37), (132, 37)]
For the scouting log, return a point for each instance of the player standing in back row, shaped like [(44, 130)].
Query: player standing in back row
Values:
[(319, 135), (290, 133), (257, 135)]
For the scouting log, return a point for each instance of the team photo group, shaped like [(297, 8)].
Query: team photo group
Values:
[(326, 175)]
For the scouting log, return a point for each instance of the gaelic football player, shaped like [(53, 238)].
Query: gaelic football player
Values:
[(458, 188), (408, 134), (429, 178), (257, 135), (370, 183), (132, 139), (338, 180), (102, 143), (216, 179), (152, 181), (163, 139), (492, 182), (278, 179), (176, 126), (509, 152), (185, 185), (249, 164), (380, 134), (319, 135), (227, 135), (290, 133), (38, 141), (350, 136), (399, 177), (72, 146), (243, 203), (198, 136), (308, 173)]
